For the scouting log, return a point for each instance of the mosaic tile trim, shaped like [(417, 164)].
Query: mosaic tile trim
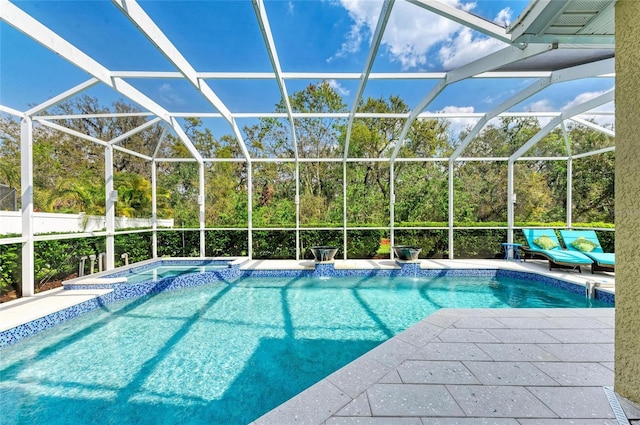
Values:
[(606, 297), (556, 283), (153, 264), (277, 273), (11, 336), (126, 290), (122, 291), (406, 269)]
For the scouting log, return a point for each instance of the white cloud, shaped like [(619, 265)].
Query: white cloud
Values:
[(581, 98), (492, 99), (546, 105), (342, 91), (459, 124), (504, 17), (457, 109), (412, 32), (603, 120), (465, 48), (169, 95), (543, 105), (365, 16)]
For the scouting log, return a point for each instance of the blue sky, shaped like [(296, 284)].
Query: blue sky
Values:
[(310, 36)]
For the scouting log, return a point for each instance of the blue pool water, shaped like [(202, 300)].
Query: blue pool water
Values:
[(227, 353)]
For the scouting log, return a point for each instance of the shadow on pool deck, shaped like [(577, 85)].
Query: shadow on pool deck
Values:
[(468, 366)]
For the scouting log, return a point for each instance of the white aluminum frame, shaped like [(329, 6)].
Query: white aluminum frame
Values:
[(482, 68)]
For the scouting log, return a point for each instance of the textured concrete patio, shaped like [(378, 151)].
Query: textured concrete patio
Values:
[(475, 366)]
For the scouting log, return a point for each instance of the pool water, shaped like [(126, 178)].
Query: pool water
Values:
[(227, 353)]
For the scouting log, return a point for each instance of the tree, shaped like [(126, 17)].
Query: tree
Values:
[(108, 128), (417, 185), (9, 152), (225, 183), (135, 196), (320, 185), (69, 171), (484, 184), (593, 176)]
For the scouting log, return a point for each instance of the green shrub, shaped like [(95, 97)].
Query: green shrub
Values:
[(478, 243), (9, 268), (226, 243), (138, 247), (183, 243), (274, 244), (434, 243), (363, 243)]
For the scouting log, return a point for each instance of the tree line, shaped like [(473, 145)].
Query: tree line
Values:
[(69, 172)]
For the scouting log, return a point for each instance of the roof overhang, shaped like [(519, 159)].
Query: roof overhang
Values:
[(570, 21)]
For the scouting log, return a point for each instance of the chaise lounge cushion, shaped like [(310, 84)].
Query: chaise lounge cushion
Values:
[(603, 260), (556, 256), (545, 242), (584, 244)]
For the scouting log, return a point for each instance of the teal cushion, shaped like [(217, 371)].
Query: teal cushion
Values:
[(545, 242), (584, 245)]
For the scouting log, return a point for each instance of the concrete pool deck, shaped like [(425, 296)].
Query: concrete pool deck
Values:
[(474, 366), (457, 366)]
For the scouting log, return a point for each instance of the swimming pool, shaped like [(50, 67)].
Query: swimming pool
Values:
[(227, 352)]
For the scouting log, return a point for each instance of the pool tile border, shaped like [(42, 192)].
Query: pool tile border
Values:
[(122, 291), (13, 335)]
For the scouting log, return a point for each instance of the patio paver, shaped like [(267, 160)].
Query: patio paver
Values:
[(482, 367)]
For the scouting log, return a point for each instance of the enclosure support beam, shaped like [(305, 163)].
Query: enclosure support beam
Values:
[(344, 209), (297, 202), (392, 210), (595, 126), (511, 203), (451, 254), (154, 210), (385, 12), (569, 192), (567, 144), (111, 197), (486, 63), (26, 182), (23, 22), (201, 208), (464, 18), (576, 110), (568, 74), (63, 96), (250, 210), (267, 35), (148, 27)]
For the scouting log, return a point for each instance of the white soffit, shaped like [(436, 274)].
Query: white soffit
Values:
[(569, 21), (562, 57)]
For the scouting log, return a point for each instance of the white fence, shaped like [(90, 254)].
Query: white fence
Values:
[(11, 223)]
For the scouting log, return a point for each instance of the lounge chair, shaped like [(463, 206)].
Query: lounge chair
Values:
[(544, 243), (586, 241)]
